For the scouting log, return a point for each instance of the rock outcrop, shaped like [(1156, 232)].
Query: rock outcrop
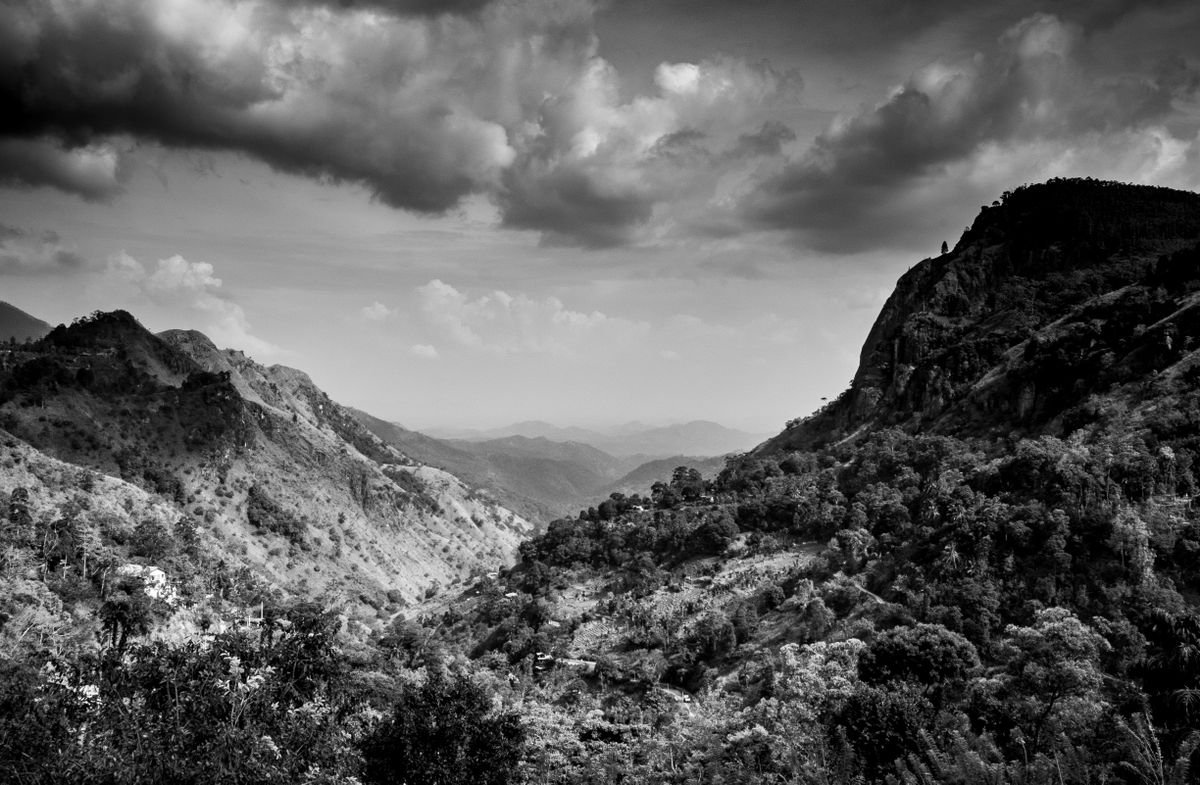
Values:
[(1044, 284)]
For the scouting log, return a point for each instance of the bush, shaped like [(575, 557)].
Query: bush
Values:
[(444, 731), (264, 513)]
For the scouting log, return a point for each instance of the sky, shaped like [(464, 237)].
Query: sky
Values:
[(472, 212)]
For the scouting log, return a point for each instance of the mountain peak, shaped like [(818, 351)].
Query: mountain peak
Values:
[(192, 337), (118, 331), (1029, 261), (19, 326)]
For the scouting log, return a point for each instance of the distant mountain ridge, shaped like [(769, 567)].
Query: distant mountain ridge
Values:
[(698, 437), (540, 478), (537, 477), (19, 326), (639, 480)]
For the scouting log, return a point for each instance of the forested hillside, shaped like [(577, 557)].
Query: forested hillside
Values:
[(981, 564)]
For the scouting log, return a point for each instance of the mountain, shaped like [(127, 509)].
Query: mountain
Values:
[(698, 437), (992, 533), (544, 478), (539, 478), (639, 480), (19, 326), (529, 429), (276, 478), (1054, 293)]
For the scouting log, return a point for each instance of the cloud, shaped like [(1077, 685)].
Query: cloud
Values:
[(867, 179), (27, 253), (424, 351), (409, 7), (93, 171), (423, 103), (376, 312), (416, 109), (592, 170), (503, 324), (192, 294)]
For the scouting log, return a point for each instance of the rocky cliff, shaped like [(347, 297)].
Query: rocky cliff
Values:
[(1052, 292)]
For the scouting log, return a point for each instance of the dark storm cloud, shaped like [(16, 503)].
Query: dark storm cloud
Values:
[(415, 110), (510, 101), (766, 141), (573, 207), (94, 172), (850, 190)]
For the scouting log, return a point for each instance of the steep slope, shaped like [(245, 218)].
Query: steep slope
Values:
[(461, 462), (280, 479), (991, 336), (16, 325)]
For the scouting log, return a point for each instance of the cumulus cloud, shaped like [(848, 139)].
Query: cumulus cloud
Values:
[(193, 294), (868, 176), (424, 351), (376, 312), (36, 253), (504, 324), (592, 170)]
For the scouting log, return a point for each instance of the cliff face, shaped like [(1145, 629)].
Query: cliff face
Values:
[(1059, 279)]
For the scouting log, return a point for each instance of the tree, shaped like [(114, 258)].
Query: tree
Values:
[(928, 655), (688, 483), (18, 511), (444, 731), (1052, 675), (713, 536), (945, 248), (883, 726), (126, 612)]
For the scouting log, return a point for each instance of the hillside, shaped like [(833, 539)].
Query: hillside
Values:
[(275, 477), (979, 562), (538, 478), (18, 326), (645, 475)]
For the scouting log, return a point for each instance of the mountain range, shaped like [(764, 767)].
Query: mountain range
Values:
[(633, 439), (537, 476)]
